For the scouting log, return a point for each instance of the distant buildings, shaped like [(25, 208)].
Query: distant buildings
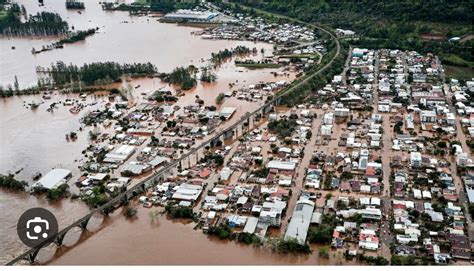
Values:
[(184, 15)]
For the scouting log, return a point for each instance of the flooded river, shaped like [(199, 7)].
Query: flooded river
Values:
[(144, 242), (33, 141)]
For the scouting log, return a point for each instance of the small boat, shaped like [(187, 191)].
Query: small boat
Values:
[(46, 96), (137, 86)]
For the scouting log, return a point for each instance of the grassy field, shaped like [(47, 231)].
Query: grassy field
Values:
[(142, 2), (312, 56), (254, 66), (3, 15), (451, 59), (458, 72)]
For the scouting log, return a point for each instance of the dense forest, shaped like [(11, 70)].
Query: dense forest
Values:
[(392, 24), (40, 24), (398, 10), (97, 73), (171, 5)]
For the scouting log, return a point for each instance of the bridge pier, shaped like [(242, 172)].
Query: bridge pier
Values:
[(106, 211), (83, 223), (59, 239), (267, 109), (125, 199), (228, 134), (32, 255)]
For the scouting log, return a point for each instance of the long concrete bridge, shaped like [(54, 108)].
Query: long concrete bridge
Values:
[(159, 176)]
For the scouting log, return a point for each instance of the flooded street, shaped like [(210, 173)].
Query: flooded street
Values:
[(33, 141)]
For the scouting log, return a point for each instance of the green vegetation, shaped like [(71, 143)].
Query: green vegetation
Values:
[(291, 246), (460, 73), (401, 24), (323, 251), (41, 24), (215, 158), (163, 96), (97, 198), (226, 54), (127, 173), (163, 6), (97, 73), (302, 91), (220, 98), (171, 5), (261, 173), (3, 15), (471, 210), (57, 193), (179, 211), (180, 76), (396, 11), (455, 60), (379, 260), (207, 75), (221, 231), (397, 128), (408, 260), (322, 234), (257, 65), (282, 127), (78, 36), (129, 211), (9, 182), (249, 238), (141, 2)]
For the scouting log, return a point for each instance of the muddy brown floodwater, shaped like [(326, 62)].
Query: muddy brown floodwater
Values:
[(33, 141), (144, 242)]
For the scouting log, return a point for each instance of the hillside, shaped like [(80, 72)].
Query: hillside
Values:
[(425, 26)]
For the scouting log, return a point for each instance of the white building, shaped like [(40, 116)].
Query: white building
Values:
[(271, 212), (300, 221), (54, 178), (428, 116), (189, 192), (281, 165), (415, 159)]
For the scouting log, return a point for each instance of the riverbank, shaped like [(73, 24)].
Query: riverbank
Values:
[(157, 243)]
